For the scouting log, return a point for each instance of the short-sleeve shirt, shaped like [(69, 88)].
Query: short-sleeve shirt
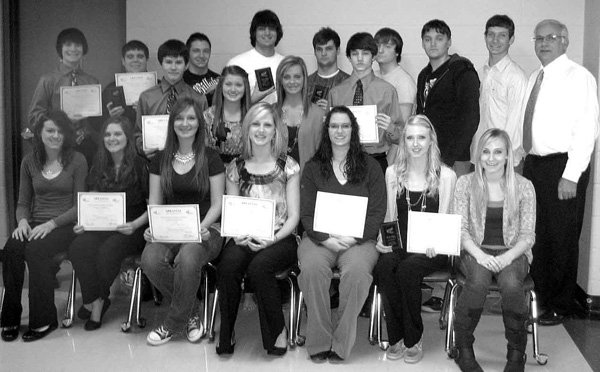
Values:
[(266, 186), (185, 187)]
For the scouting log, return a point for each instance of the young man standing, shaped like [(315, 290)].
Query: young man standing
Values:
[(448, 94), (265, 34), (326, 44), (364, 88), (503, 85), (134, 59), (198, 75), (173, 58)]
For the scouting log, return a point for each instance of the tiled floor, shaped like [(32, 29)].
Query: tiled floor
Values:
[(108, 349)]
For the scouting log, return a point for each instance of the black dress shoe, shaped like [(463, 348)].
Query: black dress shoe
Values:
[(10, 333), (320, 357), (32, 335), (277, 351), (334, 358), (550, 318), (83, 313), (92, 325)]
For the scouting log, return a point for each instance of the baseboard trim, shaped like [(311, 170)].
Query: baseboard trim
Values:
[(590, 304)]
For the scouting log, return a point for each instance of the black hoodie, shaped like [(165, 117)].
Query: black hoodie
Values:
[(452, 105)]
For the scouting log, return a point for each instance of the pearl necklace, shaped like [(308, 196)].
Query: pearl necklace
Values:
[(184, 159)]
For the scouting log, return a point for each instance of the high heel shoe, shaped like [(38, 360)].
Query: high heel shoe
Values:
[(92, 325), (276, 350)]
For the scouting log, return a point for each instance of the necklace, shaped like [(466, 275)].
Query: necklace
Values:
[(184, 159), (422, 199), (52, 169)]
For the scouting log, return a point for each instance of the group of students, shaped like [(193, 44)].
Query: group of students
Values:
[(285, 144)]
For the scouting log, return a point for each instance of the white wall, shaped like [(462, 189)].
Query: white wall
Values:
[(227, 22)]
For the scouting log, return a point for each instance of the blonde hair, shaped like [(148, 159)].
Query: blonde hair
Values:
[(280, 140), (434, 163), (479, 189)]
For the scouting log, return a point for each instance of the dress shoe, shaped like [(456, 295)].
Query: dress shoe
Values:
[(83, 313), (320, 357), (277, 351), (550, 318), (32, 335), (334, 358), (10, 333), (92, 325)]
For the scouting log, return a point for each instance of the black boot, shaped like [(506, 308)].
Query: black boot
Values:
[(466, 322), (515, 361)]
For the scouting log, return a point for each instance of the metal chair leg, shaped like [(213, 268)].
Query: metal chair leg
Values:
[(292, 321), (450, 347), (140, 321), (135, 289), (205, 298), (211, 328), (541, 358), (383, 344), (372, 335), (67, 321), (300, 339), (443, 321)]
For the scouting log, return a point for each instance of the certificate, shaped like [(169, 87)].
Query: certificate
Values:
[(81, 101), (242, 216), (100, 211), (154, 131), (177, 223), (338, 214), (433, 230), (365, 116), (134, 83)]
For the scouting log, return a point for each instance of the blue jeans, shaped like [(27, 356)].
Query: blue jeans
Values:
[(471, 299), (175, 270)]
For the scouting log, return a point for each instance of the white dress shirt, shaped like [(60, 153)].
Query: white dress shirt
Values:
[(566, 114), (503, 88)]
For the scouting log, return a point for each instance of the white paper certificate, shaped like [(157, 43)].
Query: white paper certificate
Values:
[(176, 223), (81, 101), (338, 214), (134, 83), (242, 216), (154, 131), (365, 116), (100, 211), (433, 230)]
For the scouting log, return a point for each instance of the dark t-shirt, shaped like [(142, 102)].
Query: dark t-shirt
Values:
[(185, 187), (202, 83)]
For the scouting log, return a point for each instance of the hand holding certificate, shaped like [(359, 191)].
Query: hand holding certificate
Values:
[(81, 101), (100, 211), (433, 230), (338, 214), (245, 216), (134, 83), (179, 223), (154, 131), (365, 116)]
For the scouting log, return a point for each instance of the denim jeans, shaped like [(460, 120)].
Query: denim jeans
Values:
[(514, 299), (175, 270)]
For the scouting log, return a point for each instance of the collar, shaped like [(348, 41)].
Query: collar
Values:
[(328, 76), (555, 66), (365, 80), (165, 85), (500, 66)]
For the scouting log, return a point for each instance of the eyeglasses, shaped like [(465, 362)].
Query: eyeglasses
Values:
[(548, 38), (335, 127)]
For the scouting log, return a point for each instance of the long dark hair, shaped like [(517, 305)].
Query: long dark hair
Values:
[(172, 146), (356, 160), (65, 126), (218, 126), (103, 175)]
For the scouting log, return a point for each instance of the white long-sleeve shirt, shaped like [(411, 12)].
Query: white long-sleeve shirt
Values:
[(565, 119), (503, 88)]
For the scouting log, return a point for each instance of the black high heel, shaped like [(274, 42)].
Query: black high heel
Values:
[(92, 325)]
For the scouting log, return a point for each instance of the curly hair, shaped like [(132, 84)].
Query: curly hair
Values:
[(65, 127)]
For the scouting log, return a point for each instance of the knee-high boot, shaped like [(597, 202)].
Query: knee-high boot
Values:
[(466, 322), (516, 337)]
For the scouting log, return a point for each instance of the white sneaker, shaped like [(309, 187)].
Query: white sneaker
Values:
[(159, 336), (396, 351), (414, 353), (195, 329)]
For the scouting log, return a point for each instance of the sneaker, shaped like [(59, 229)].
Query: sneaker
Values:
[(414, 353), (433, 305), (159, 336), (396, 351), (195, 329)]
